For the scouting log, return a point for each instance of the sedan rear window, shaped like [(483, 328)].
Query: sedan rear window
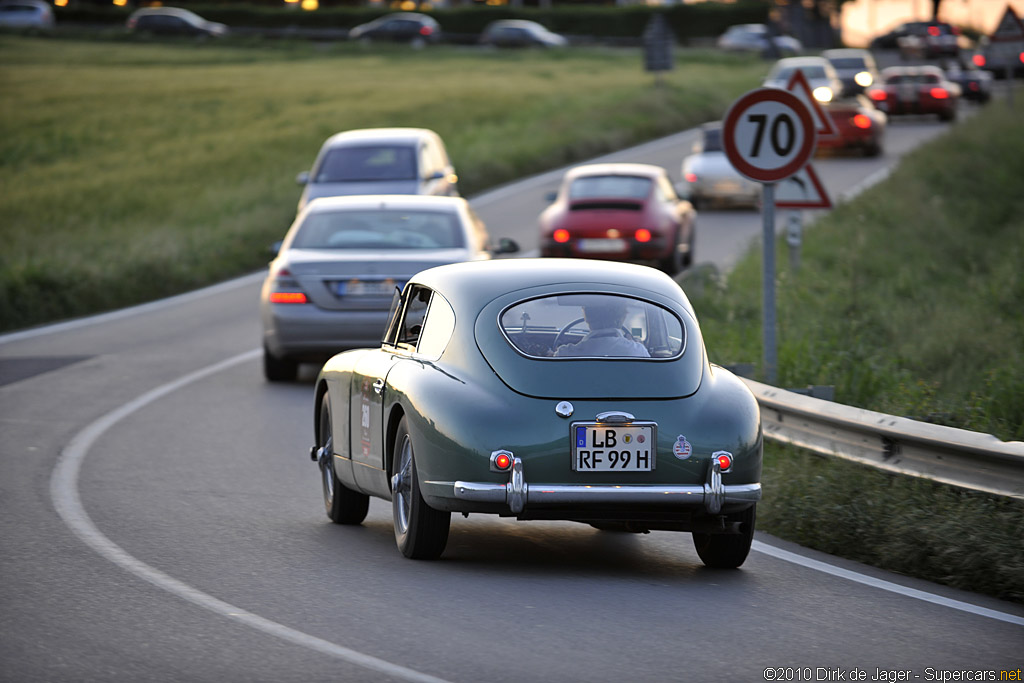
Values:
[(354, 164), (592, 325), (380, 229), (608, 186)]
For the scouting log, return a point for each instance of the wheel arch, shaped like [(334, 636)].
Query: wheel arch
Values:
[(394, 418)]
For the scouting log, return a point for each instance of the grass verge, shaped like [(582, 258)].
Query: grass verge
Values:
[(910, 301), (133, 171)]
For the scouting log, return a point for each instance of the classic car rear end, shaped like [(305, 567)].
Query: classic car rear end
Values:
[(916, 90), (544, 389)]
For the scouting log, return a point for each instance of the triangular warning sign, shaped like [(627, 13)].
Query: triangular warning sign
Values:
[(802, 190), (1010, 27), (799, 86)]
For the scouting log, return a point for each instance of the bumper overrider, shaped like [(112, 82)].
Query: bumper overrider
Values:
[(712, 495)]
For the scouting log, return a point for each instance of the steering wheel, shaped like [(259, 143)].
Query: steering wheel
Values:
[(562, 332)]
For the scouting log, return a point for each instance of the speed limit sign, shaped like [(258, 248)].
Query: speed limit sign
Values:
[(768, 135)]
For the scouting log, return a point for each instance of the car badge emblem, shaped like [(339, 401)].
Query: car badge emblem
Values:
[(564, 409), (682, 448)]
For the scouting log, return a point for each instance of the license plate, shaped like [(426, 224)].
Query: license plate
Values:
[(727, 187), (601, 246), (613, 448), (366, 287)]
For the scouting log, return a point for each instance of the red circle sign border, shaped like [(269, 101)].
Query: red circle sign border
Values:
[(785, 98)]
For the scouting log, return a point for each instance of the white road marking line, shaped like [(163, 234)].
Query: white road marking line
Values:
[(64, 491), (881, 584)]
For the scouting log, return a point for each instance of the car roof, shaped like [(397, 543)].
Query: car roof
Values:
[(648, 170), (801, 61), (845, 52), (364, 136), (912, 70), (479, 282), (385, 201)]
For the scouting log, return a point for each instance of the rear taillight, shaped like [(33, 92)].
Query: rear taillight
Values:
[(939, 93), (861, 121), (690, 177), (561, 235), (426, 30), (286, 289), (643, 235), (877, 95), (288, 298), (979, 60)]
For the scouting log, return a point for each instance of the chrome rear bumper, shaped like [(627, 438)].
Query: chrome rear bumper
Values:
[(518, 494)]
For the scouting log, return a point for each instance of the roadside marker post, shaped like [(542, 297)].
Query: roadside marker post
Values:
[(768, 135)]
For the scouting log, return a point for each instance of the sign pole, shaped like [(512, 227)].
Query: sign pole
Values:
[(769, 349)]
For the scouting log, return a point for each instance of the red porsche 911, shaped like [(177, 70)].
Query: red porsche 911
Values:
[(916, 90), (620, 212)]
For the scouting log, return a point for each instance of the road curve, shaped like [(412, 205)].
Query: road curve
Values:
[(162, 522)]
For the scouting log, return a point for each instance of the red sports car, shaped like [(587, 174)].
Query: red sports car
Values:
[(620, 212), (916, 90), (860, 126)]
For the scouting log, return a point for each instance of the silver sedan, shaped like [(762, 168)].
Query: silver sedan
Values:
[(331, 285)]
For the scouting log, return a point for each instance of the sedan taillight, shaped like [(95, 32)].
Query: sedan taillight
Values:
[(877, 95), (939, 93), (861, 121)]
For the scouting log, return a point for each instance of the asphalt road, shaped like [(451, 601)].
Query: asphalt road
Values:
[(161, 521)]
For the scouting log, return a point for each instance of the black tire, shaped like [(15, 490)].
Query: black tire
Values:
[(343, 505), (727, 551), (279, 369), (674, 262), (421, 532)]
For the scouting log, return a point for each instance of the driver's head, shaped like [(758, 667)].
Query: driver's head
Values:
[(604, 315)]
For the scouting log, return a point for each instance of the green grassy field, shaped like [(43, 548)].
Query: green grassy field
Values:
[(133, 171), (910, 301)]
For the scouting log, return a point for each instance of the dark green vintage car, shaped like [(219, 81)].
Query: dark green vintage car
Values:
[(541, 389)]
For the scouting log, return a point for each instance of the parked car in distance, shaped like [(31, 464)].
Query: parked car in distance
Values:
[(520, 33), (709, 178), (26, 14), (621, 212), (380, 161), (975, 84), (916, 90), (757, 38), (859, 125), (413, 28), (820, 74), (173, 21), (635, 432), (855, 67), (331, 284)]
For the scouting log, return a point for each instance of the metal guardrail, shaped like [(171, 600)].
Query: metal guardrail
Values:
[(952, 456)]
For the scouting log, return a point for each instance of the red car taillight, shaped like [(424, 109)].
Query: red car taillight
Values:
[(861, 121), (939, 93), (979, 60), (643, 235), (426, 30), (877, 95), (561, 235), (287, 290), (691, 177)]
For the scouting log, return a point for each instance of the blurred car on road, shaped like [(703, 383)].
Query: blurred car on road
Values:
[(916, 90), (859, 125), (380, 161), (757, 38), (418, 30), (26, 14), (621, 212), (520, 33), (173, 21), (820, 74), (541, 389), (930, 40), (975, 84), (708, 177), (330, 286), (998, 57), (855, 67)]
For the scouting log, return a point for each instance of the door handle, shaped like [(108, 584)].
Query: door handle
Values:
[(378, 386)]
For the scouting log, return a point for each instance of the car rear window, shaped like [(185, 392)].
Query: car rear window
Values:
[(848, 62), (354, 164), (380, 229), (592, 325), (618, 186)]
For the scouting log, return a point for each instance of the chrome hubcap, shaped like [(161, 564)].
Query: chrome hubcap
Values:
[(327, 469), (402, 484)]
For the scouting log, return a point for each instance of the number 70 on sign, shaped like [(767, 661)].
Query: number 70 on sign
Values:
[(768, 135)]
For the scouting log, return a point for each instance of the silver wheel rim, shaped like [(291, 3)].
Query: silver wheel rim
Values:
[(403, 491), (326, 466)]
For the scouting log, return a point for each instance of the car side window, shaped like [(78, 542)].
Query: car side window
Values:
[(437, 329), (411, 325)]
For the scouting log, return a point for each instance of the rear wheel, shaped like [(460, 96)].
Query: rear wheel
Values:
[(421, 532), (343, 505), (279, 369), (727, 551)]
